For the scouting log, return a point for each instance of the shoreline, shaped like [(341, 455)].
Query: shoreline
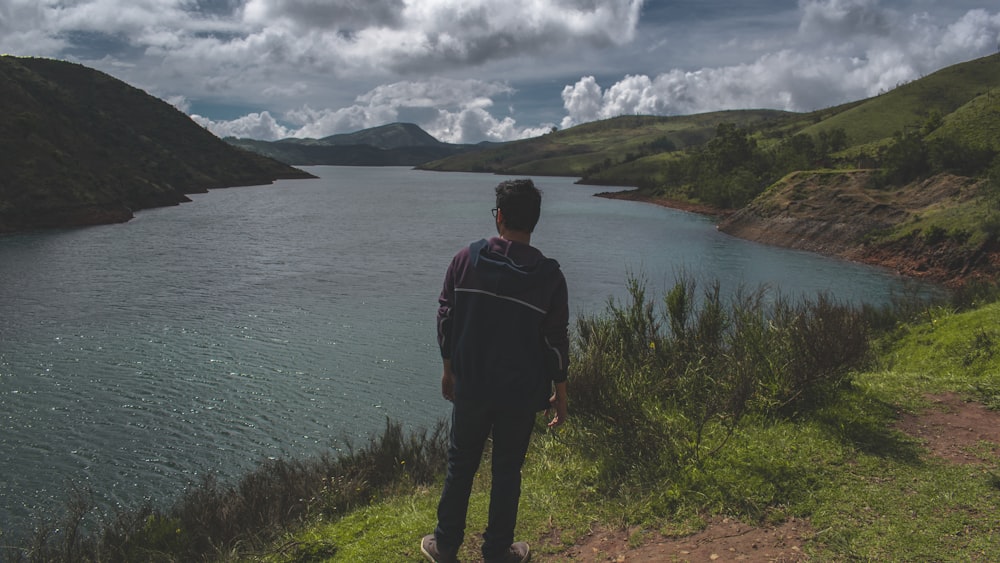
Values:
[(892, 258), (636, 195)]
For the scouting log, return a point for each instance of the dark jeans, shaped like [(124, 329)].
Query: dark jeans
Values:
[(471, 424)]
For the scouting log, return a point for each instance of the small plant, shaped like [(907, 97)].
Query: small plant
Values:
[(935, 234), (982, 348)]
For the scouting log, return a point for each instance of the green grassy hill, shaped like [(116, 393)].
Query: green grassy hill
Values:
[(598, 145), (910, 105), (978, 121), (79, 147)]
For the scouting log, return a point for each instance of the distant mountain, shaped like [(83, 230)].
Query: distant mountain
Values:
[(391, 136), (395, 144), (79, 147)]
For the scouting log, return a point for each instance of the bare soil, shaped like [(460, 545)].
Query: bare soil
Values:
[(837, 214), (953, 429), (722, 540)]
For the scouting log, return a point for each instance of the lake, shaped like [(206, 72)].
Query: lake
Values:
[(282, 320)]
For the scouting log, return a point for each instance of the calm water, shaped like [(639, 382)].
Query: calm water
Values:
[(278, 321)]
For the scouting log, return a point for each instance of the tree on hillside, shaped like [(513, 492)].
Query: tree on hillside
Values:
[(798, 152), (905, 160), (727, 171), (731, 148), (731, 169), (991, 193), (832, 141), (958, 157), (911, 157), (933, 121), (992, 186)]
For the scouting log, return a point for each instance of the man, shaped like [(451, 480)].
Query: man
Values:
[(502, 330)]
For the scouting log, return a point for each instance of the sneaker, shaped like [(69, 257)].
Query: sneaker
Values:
[(435, 553), (518, 552)]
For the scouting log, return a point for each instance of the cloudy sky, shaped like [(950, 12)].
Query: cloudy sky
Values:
[(474, 70)]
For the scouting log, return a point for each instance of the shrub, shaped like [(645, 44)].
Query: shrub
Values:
[(656, 390), (213, 519)]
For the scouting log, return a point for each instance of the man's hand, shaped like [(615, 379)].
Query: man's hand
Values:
[(558, 402), (448, 382)]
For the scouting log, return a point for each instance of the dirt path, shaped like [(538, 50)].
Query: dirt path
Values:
[(953, 426), (722, 540), (950, 428)]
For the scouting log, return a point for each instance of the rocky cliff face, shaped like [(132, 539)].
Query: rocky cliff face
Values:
[(837, 214), (78, 147)]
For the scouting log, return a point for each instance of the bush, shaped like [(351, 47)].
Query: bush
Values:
[(214, 519), (657, 391)]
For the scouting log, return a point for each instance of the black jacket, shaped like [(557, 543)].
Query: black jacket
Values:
[(503, 321)]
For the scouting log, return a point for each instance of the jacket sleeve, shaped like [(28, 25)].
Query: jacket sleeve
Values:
[(555, 332), (446, 301)]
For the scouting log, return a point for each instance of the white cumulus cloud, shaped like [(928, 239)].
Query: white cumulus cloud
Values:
[(453, 111), (251, 126), (844, 50)]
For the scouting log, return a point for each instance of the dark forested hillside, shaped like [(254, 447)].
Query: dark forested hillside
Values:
[(79, 147)]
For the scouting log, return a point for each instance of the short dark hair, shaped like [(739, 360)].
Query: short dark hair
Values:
[(521, 204)]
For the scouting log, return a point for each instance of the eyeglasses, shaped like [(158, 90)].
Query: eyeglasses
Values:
[(494, 211)]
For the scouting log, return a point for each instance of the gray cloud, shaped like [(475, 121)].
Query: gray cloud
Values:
[(872, 57), (439, 34), (469, 70), (342, 35), (840, 20), (343, 16), (227, 49), (23, 28)]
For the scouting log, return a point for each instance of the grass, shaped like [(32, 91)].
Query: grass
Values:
[(908, 105), (976, 122), (909, 511), (946, 352), (961, 221), (869, 491)]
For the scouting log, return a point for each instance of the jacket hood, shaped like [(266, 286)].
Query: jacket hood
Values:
[(509, 267)]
